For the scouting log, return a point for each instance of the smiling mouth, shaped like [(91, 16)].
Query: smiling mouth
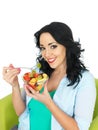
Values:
[(51, 60)]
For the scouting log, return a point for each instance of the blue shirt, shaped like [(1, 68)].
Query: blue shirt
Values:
[(77, 102)]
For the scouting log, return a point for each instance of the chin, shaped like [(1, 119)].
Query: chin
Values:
[(53, 66)]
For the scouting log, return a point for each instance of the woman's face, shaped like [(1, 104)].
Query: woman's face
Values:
[(53, 52)]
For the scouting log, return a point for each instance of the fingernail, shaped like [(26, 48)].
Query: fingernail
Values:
[(11, 66), (19, 69)]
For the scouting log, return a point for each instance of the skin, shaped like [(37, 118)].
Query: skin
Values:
[(10, 75), (52, 52)]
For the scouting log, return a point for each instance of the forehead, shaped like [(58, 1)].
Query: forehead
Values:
[(46, 38)]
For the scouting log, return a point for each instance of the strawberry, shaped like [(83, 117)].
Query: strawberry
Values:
[(35, 75), (26, 76)]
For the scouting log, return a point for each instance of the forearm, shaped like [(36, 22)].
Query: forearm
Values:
[(64, 120), (18, 103)]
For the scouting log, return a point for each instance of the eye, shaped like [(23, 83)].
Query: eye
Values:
[(42, 48), (53, 46)]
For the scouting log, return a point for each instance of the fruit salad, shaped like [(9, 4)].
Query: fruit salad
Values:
[(35, 79)]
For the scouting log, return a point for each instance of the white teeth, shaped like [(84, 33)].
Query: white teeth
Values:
[(51, 60)]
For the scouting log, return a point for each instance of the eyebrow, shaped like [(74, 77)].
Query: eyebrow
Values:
[(49, 43)]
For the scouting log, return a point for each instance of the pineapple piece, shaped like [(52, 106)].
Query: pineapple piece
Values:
[(45, 76), (33, 81)]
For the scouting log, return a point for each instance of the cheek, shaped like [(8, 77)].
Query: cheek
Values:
[(62, 55), (43, 55)]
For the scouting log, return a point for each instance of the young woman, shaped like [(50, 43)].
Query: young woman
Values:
[(66, 102)]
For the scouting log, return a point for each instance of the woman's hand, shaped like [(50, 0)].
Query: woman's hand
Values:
[(42, 97), (10, 75)]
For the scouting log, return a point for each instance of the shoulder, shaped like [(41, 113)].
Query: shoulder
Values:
[(87, 74), (87, 82), (87, 77)]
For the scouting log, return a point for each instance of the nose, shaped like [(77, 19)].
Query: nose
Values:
[(47, 53)]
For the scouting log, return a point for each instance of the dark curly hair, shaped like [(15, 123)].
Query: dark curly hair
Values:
[(63, 35)]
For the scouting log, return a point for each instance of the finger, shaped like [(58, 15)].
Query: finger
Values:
[(26, 89), (45, 84), (9, 75), (4, 70), (29, 93), (32, 90), (29, 89)]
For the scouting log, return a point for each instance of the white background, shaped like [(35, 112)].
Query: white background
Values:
[(20, 19)]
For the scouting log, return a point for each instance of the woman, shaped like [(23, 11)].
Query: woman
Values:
[(67, 100)]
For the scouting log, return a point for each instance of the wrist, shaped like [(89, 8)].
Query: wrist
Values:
[(49, 104), (15, 87)]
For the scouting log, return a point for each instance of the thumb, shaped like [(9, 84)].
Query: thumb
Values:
[(45, 87), (11, 66)]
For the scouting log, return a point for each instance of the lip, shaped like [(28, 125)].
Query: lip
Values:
[(51, 60)]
